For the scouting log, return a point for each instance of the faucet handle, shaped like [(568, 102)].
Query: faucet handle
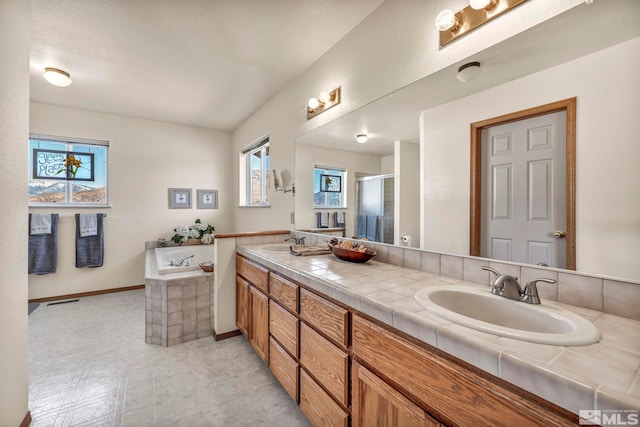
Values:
[(301, 240), (530, 293)]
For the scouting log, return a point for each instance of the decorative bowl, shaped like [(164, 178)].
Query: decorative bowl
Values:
[(352, 256), (207, 267)]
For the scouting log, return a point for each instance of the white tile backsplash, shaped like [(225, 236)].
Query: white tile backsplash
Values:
[(593, 292)]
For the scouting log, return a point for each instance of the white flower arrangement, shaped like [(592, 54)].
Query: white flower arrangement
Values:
[(199, 230)]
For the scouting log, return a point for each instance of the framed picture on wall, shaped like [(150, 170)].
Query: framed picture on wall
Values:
[(207, 199), (179, 198), (330, 183)]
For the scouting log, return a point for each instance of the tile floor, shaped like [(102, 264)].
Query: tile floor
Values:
[(89, 366)]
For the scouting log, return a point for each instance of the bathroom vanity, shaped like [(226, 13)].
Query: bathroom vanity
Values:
[(349, 343)]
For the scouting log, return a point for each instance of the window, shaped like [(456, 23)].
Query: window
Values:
[(329, 187), (65, 171), (254, 169)]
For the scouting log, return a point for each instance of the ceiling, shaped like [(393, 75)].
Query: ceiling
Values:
[(206, 63), (579, 31)]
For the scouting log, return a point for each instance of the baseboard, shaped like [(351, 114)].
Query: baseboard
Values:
[(27, 420), (220, 337), (88, 294)]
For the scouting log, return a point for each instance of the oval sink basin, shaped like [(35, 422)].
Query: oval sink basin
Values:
[(481, 310), (276, 247)]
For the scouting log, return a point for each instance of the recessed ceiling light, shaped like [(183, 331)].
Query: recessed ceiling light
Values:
[(57, 77)]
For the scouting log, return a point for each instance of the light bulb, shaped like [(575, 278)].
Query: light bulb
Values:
[(313, 103), (324, 97), (482, 4), (362, 138), (57, 77), (446, 20)]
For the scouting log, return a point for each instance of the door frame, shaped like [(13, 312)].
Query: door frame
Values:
[(567, 105)]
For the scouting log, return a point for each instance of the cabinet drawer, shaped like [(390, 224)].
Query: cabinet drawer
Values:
[(284, 368), (284, 327), (329, 319), (253, 272), (326, 362), (284, 291), (450, 392), (318, 407)]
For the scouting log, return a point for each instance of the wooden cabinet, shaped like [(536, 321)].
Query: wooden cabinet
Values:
[(242, 305), (254, 273), (336, 361), (375, 403), (449, 392), (318, 407), (252, 304), (326, 362), (284, 292), (283, 326), (259, 322), (331, 320), (284, 368)]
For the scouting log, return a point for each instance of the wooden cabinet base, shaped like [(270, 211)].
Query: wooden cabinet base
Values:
[(317, 406)]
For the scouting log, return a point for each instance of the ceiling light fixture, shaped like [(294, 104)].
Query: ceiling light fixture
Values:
[(362, 138), (323, 102), (453, 25), (468, 71), (57, 77)]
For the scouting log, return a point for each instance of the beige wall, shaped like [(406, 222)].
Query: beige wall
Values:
[(607, 156), (365, 64), (407, 193), (145, 159), (14, 131)]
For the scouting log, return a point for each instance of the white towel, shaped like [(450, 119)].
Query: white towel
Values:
[(40, 224), (88, 225)]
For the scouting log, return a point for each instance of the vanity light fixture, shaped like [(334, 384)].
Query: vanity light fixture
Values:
[(468, 71), (362, 138), (57, 77), (323, 102), (453, 25)]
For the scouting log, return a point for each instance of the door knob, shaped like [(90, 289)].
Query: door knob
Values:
[(559, 234)]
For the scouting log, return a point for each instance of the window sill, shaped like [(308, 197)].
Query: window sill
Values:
[(76, 206), (254, 206)]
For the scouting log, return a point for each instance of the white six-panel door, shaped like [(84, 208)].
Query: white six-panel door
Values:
[(523, 191)]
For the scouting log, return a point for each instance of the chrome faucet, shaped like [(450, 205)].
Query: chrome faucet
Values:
[(507, 286), (298, 241), (186, 261)]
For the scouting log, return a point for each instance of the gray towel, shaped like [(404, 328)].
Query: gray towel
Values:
[(372, 227), (90, 250), (362, 226), (322, 219), (43, 249), (338, 219)]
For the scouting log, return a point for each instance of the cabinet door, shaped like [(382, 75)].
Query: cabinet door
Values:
[(317, 406), (259, 321), (284, 368), (283, 326), (326, 362), (375, 403), (256, 274), (242, 305)]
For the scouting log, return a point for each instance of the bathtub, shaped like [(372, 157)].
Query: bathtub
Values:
[(202, 253)]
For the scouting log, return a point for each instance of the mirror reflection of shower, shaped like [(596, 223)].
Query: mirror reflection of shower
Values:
[(375, 207)]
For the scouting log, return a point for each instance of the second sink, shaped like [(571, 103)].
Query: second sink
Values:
[(479, 309)]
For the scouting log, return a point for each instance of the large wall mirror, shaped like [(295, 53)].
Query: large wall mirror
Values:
[(420, 137)]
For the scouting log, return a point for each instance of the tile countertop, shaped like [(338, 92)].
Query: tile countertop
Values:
[(605, 375)]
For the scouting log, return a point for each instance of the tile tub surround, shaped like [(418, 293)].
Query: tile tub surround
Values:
[(605, 375), (178, 305)]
